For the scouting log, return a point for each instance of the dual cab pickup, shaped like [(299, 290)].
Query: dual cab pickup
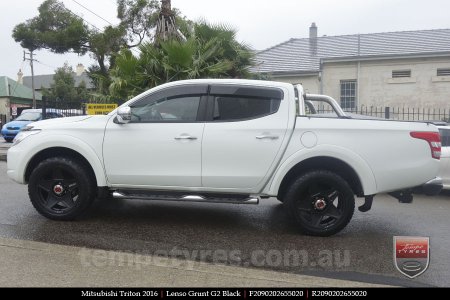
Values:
[(227, 141)]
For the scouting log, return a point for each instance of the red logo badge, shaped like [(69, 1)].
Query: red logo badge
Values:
[(411, 255)]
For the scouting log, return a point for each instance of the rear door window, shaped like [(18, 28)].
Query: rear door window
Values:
[(235, 108)]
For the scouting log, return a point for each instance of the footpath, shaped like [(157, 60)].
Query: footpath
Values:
[(36, 264)]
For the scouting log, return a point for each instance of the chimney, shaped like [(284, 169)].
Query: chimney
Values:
[(313, 39), (20, 77), (80, 69), (313, 31)]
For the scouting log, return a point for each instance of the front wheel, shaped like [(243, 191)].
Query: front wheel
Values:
[(61, 188), (321, 202), (9, 140)]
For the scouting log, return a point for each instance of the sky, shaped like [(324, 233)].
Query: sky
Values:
[(260, 23)]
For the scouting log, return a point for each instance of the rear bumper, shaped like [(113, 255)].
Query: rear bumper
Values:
[(433, 187)]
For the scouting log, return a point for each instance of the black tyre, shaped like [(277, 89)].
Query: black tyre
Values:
[(61, 188), (321, 202), (9, 140)]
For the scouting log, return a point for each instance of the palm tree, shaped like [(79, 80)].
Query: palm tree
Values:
[(207, 51), (166, 27)]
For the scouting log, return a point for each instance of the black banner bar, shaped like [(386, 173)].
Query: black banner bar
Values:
[(230, 293)]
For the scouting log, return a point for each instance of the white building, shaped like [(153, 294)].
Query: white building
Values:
[(392, 69)]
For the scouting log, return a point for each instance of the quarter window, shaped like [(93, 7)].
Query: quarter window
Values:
[(174, 109), (234, 108)]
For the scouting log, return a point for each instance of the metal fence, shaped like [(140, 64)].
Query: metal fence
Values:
[(400, 113), (67, 109)]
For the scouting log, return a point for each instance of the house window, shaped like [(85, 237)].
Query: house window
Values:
[(401, 73), (443, 72), (348, 94)]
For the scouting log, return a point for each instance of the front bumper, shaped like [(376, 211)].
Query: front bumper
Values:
[(433, 187), (16, 163), (9, 134)]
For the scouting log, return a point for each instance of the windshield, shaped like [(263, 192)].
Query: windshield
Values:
[(29, 116)]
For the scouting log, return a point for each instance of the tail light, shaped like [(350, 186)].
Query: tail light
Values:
[(433, 139)]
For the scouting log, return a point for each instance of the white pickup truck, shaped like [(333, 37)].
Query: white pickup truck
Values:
[(226, 141)]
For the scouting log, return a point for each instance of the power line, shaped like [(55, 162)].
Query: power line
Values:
[(97, 15), (92, 12), (45, 65), (76, 15)]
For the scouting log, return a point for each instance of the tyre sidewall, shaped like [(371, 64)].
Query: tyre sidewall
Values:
[(299, 185), (85, 187)]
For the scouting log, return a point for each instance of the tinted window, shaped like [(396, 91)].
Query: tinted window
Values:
[(233, 108), (445, 137), (173, 109)]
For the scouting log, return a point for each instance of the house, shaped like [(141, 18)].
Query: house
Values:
[(391, 69), (15, 97), (45, 81)]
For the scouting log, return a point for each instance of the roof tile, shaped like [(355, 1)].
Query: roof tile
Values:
[(302, 55)]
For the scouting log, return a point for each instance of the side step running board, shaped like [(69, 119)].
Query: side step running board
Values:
[(186, 198)]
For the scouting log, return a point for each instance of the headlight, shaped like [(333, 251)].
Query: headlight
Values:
[(24, 133)]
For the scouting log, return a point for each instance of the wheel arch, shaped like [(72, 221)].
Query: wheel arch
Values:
[(64, 152), (335, 165)]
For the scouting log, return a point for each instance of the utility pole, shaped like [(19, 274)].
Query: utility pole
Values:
[(31, 59)]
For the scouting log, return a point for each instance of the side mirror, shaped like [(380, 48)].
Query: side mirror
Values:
[(124, 115)]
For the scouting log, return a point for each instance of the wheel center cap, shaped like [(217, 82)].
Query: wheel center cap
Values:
[(58, 190), (320, 204)]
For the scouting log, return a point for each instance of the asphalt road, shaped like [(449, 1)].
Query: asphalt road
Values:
[(249, 236)]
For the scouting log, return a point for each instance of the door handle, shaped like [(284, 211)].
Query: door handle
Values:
[(268, 137), (185, 137)]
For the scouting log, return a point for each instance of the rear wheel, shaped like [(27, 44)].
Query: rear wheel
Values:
[(321, 202), (61, 188)]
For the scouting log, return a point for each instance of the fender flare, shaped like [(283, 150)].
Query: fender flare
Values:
[(352, 159), (74, 144)]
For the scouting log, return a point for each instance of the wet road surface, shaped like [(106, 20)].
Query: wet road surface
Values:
[(259, 236)]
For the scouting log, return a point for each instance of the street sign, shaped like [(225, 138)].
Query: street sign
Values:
[(100, 109)]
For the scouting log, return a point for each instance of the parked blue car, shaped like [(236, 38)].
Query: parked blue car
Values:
[(11, 129)]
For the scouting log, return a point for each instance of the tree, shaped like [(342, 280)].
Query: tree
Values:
[(166, 27), (63, 87), (208, 52), (139, 17), (55, 29), (172, 47), (59, 30)]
